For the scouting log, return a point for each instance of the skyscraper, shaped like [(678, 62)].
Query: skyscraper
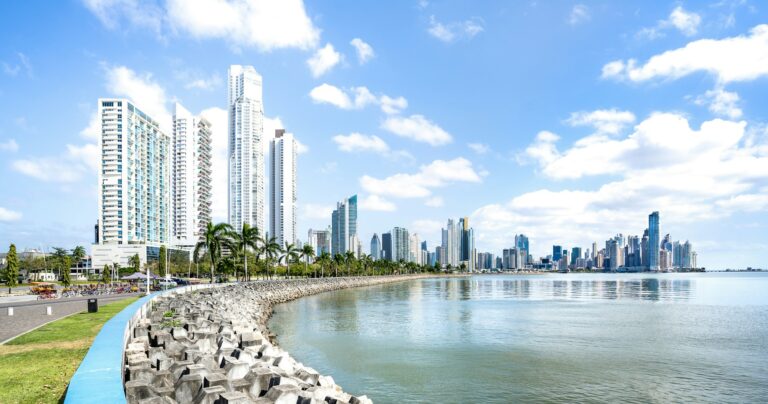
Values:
[(134, 176), (414, 249), (557, 253), (282, 188), (575, 255), (134, 185), (450, 241), (190, 177), (653, 241), (375, 247), (521, 243), (400, 244), (344, 222), (246, 156), (386, 247)]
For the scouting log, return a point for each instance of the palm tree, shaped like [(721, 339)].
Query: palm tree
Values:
[(248, 237), (338, 259), (324, 259), (307, 252), (270, 249), (289, 254), (365, 260), (214, 238), (349, 258), (78, 253)]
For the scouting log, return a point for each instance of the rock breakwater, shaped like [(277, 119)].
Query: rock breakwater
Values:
[(212, 346)]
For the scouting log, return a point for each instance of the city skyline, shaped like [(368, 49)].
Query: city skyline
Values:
[(641, 120)]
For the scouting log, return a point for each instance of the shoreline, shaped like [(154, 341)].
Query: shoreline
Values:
[(214, 344)]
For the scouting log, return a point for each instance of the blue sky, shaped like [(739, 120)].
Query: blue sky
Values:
[(567, 121)]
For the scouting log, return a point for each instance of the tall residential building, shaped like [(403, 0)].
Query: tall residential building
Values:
[(344, 222), (134, 184), (387, 252), (467, 244), (521, 243), (575, 255), (134, 176), (246, 156), (190, 177), (450, 243), (653, 241), (282, 188), (400, 244), (414, 249), (375, 247), (320, 240)]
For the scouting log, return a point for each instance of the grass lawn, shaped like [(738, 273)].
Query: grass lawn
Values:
[(36, 367)]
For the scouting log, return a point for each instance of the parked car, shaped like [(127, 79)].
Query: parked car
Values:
[(167, 284)]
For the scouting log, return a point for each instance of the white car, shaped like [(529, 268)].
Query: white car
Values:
[(167, 284)]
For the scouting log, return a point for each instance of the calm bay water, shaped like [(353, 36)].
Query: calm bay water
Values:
[(544, 338)]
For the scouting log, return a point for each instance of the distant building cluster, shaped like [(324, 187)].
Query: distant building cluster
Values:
[(619, 254)]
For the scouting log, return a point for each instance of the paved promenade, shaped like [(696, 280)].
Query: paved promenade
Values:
[(28, 315)]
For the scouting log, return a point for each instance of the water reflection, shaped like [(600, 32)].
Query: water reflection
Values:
[(544, 288)]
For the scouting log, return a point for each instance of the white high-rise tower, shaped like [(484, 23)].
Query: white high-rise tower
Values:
[(190, 177), (282, 188), (246, 157)]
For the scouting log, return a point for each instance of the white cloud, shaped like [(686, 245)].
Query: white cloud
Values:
[(364, 50), (579, 14), (734, 59), (10, 146), (605, 121), (93, 130), (684, 21), (428, 229), (418, 128), (7, 215), (721, 102), (377, 204), (434, 202), (452, 31), (76, 163), (392, 105), (437, 174), (357, 142), (143, 91), (355, 98), (323, 60), (479, 148), (689, 175), (265, 25)]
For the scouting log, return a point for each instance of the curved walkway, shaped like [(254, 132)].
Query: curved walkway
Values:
[(29, 315)]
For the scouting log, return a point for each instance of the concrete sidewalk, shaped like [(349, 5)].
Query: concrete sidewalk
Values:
[(28, 315)]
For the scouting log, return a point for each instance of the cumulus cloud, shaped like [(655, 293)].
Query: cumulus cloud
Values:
[(686, 22), (721, 102), (7, 215), (418, 128), (437, 174), (323, 60), (357, 142), (734, 59), (434, 202), (74, 164), (364, 50), (605, 121), (579, 14), (148, 95), (356, 98), (449, 32), (689, 174), (376, 203), (265, 25)]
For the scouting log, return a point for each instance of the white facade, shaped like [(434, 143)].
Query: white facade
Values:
[(282, 188), (246, 156), (414, 245), (134, 176), (191, 177)]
